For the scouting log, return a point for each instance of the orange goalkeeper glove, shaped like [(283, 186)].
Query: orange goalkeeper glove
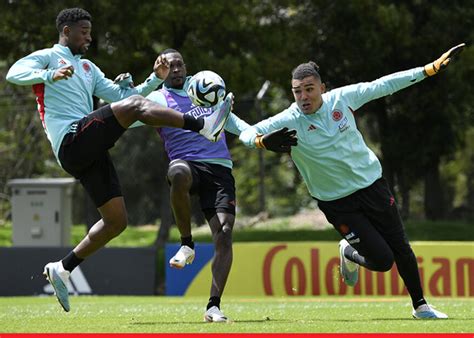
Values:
[(443, 61)]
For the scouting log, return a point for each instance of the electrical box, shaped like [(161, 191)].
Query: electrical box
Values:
[(41, 211)]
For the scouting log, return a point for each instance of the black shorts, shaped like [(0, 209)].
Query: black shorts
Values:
[(369, 220), (215, 186), (84, 154)]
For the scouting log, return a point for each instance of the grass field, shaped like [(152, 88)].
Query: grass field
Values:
[(249, 315), (273, 230)]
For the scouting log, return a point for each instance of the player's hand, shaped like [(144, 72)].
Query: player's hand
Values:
[(279, 141), (124, 80), (443, 61), (63, 73), (161, 67)]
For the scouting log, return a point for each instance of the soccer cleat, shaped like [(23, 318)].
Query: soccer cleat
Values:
[(425, 311), (58, 278), (214, 315), (185, 255), (215, 123), (349, 270)]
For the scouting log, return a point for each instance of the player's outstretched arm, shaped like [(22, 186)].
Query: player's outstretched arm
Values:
[(279, 141), (442, 62)]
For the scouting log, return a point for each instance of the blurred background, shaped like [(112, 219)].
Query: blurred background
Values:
[(423, 135)]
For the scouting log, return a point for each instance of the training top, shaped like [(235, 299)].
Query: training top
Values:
[(188, 145), (331, 154), (62, 102)]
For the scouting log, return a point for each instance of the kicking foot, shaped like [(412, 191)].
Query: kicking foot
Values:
[(215, 123), (58, 278)]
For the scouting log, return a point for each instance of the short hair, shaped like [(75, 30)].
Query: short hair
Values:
[(306, 69), (71, 15), (169, 51)]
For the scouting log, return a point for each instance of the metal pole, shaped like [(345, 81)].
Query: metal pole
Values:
[(261, 160)]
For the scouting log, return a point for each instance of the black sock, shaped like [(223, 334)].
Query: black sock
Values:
[(188, 241), (214, 301), (71, 261), (192, 123), (418, 303)]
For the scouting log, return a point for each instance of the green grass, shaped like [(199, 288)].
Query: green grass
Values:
[(249, 315), (277, 230), (417, 231)]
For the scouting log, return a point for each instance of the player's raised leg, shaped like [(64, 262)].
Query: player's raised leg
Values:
[(137, 108)]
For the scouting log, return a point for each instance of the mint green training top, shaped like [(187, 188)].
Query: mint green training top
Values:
[(62, 102), (331, 154)]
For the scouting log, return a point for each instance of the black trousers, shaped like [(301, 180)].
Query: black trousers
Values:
[(369, 220)]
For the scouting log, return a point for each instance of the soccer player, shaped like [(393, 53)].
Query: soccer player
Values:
[(200, 167), (345, 176), (64, 84)]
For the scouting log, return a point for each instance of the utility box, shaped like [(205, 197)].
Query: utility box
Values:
[(41, 211)]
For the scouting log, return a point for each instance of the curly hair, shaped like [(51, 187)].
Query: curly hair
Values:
[(306, 69), (71, 15)]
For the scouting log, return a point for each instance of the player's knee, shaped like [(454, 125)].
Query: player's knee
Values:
[(134, 104), (179, 177), (116, 226), (383, 262), (223, 239)]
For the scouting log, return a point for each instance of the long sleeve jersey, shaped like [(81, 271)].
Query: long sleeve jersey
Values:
[(188, 145), (62, 102), (331, 154)]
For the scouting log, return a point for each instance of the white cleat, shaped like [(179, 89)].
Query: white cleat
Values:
[(214, 315), (185, 255), (426, 311), (215, 123), (348, 269), (58, 278)]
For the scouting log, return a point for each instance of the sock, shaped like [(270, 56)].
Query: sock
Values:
[(71, 261), (418, 303), (350, 252), (192, 123), (188, 241), (214, 301)]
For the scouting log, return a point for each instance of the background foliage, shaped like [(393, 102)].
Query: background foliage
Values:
[(423, 135)]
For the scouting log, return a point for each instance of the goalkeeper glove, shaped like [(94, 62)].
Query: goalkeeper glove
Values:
[(279, 141), (443, 61)]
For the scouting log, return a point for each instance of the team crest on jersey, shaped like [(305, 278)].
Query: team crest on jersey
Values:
[(337, 115), (87, 71)]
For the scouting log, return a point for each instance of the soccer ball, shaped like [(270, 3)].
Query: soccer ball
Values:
[(206, 89)]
